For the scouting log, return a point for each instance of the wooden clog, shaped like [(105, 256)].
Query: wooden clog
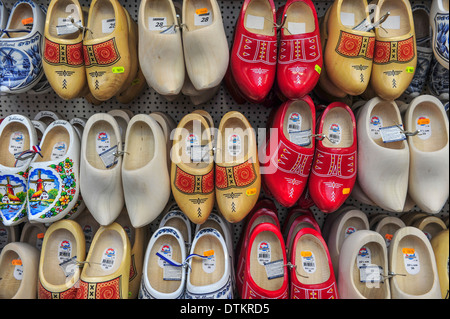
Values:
[(387, 227), (192, 170), (237, 180), (19, 264), (63, 60), (441, 252), (89, 226), (395, 56), (33, 234), (430, 225), (63, 249), (106, 49), (106, 272)]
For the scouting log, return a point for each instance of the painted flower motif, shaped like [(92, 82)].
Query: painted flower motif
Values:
[(68, 163), (64, 200), (59, 169), (68, 182)]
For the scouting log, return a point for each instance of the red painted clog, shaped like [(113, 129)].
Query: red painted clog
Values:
[(333, 172), (254, 52), (290, 150), (300, 53)]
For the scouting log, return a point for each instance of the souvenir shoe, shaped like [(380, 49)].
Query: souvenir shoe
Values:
[(137, 87), (63, 250), (100, 168), (254, 52), (349, 51), (440, 249), (363, 267), (411, 217), (421, 16), (204, 95), (359, 195), (260, 214), (3, 15), (395, 56), (168, 125), (312, 275), (387, 226), (192, 170), (19, 264), (89, 226), (292, 215), (383, 155), (290, 151), (40, 129), (347, 223), (205, 46), (138, 238), (106, 49), (375, 218), (325, 85), (8, 234), (232, 87), (429, 153), (48, 116), (106, 271), (175, 218), (33, 234), (300, 57), (78, 124), (17, 137), (300, 222), (21, 48), (53, 178), (305, 200), (438, 82), (122, 117), (413, 266), (210, 122), (333, 171), (161, 50), (440, 29), (430, 225), (237, 180), (265, 276), (209, 272), (145, 155), (63, 59), (164, 277), (330, 218)]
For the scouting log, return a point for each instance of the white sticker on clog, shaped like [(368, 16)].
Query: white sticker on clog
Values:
[(166, 251), (108, 25), (392, 22), (375, 124), (202, 17), (263, 253), (296, 28), (334, 133), (157, 23), (294, 122), (16, 143), (66, 26), (423, 125), (209, 263), (64, 250), (274, 269), (58, 151), (18, 269), (108, 259), (392, 134), (411, 260), (348, 19), (350, 230), (102, 142), (364, 257), (254, 22), (234, 145), (308, 261)]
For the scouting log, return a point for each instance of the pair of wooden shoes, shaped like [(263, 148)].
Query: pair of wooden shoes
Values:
[(385, 56), (92, 54), (230, 175)]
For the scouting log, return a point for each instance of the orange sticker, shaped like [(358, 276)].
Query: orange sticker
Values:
[(408, 251), (27, 21), (251, 191), (423, 121), (17, 262), (201, 11), (305, 253), (388, 236), (40, 235), (346, 191), (208, 253)]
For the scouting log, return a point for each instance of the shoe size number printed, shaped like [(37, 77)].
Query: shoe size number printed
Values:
[(308, 261), (264, 254), (108, 259), (411, 259), (202, 17), (108, 25)]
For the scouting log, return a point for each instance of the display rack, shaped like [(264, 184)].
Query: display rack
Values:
[(30, 104)]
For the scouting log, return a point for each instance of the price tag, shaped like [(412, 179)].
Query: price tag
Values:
[(392, 134), (202, 17), (65, 26), (109, 157), (108, 25), (274, 269), (371, 273)]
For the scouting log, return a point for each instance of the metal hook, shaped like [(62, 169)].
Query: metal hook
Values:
[(290, 265)]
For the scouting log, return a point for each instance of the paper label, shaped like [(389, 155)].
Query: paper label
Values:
[(108, 25), (274, 269), (371, 274), (294, 122), (348, 19), (264, 255), (108, 259), (202, 17), (209, 264), (254, 22), (16, 143), (334, 133), (65, 26), (172, 273), (375, 124), (157, 23), (350, 230), (69, 266), (308, 261), (18, 272), (59, 150), (64, 250), (392, 22), (109, 157), (301, 138), (392, 134), (234, 145), (423, 124), (102, 143), (364, 257), (166, 251), (411, 260), (296, 28)]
